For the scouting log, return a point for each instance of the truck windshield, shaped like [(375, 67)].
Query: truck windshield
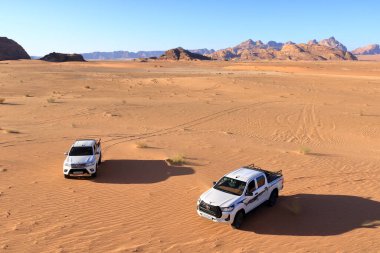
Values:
[(80, 151), (230, 185)]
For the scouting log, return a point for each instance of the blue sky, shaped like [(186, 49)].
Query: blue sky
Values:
[(43, 26)]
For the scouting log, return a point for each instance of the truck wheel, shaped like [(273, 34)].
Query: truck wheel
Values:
[(273, 198), (93, 175), (238, 221), (66, 176)]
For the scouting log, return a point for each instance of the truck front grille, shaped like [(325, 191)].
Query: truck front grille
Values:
[(210, 209), (78, 165), (78, 171)]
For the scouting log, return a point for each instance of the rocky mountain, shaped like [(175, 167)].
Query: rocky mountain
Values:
[(179, 53), (123, 55), (58, 57), (367, 50), (333, 43), (329, 49), (11, 50)]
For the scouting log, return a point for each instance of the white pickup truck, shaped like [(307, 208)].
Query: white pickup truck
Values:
[(238, 193), (83, 158)]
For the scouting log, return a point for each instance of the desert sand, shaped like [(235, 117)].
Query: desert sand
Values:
[(219, 116)]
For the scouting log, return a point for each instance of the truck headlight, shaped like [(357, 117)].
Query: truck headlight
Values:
[(227, 209), (90, 163)]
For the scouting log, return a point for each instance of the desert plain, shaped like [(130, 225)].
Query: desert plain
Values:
[(318, 122)]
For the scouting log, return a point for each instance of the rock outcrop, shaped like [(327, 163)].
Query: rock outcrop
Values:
[(58, 57), (11, 50), (180, 54), (367, 50)]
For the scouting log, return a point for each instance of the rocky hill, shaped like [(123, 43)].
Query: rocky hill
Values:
[(58, 57), (367, 50), (11, 50), (180, 54), (328, 49)]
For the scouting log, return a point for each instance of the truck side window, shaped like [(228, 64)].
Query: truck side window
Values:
[(260, 181), (251, 186)]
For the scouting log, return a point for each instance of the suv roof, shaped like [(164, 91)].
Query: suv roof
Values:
[(244, 174), (84, 143)]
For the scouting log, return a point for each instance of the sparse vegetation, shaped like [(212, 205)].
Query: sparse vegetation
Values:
[(28, 95), (2, 100), (9, 131), (87, 87), (50, 100), (176, 160), (142, 145), (304, 150)]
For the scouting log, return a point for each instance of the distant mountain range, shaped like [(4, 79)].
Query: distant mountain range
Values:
[(121, 55), (367, 50), (327, 49)]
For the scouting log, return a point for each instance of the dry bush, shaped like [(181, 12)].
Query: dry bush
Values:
[(304, 150), (2, 100), (9, 131), (141, 145), (176, 160), (50, 100)]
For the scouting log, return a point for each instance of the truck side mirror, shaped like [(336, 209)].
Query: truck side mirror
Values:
[(249, 194), (66, 153), (214, 183), (97, 153)]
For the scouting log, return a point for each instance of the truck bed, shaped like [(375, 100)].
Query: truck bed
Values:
[(271, 175)]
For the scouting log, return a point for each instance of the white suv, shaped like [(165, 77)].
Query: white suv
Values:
[(83, 158)]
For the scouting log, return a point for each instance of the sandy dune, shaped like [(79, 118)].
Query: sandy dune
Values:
[(220, 116)]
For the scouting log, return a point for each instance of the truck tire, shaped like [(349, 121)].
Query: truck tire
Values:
[(93, 175), (66, 176), (273, 198), (238, 220)]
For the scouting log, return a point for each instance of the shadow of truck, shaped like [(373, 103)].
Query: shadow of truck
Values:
[(314, 215)]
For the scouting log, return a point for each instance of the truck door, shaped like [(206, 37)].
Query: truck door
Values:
[(262, 191), (250, 198)]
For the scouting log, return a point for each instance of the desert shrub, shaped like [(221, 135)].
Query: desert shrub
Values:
[(2, 100), (141, 145), (50, 100), (176, 160), (304, 150)]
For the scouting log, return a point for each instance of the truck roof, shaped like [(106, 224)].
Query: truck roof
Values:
[(244, 174), (84, 143)]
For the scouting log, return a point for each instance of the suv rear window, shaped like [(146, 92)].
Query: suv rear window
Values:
[(81, 151)]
